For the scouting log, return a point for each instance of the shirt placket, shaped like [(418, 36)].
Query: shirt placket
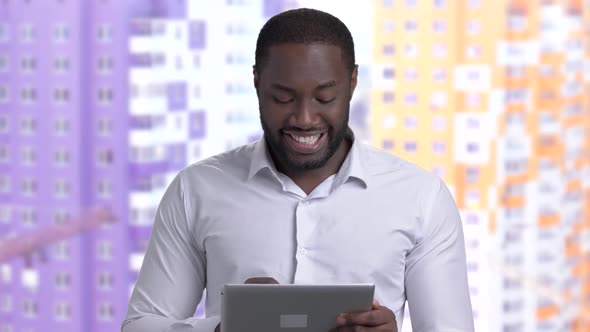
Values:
[(306, 222)]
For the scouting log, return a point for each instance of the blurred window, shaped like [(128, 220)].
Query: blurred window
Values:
[(3, 94), (411, 25), (27, 33), (104, 126), (439, 123), (104, 188), (104, 157), (61, 126), (28, 186), (62, 280), (410, 122), (5, 303), (61, 251), (439, 147), (411, 50), (388, 97), (28, 95), (4, 184), (388, 26), (60, 65), (105, 280), (104, 65), (439, 50), (105, 250), (28, 216), (63, 311), (28, 64), (388, 144), (106, 311), (411, 74), (104, 33), (61, 33), (30, 308), (473, 27), (61, 96), (105, 96), (388, 49), (439, 26), (5, 213), (61, 188), (411, 98), (3, 124), (28, 157), (3, 63), (61, 157), (410, 146), (4, 32)]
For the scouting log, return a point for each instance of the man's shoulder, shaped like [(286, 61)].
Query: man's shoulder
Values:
[(379, 162), (236, 161), (397, 175)]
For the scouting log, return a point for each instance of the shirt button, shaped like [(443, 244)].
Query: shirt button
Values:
[(303, 251)]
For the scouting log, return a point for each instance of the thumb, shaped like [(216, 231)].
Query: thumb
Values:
[(376, 305)]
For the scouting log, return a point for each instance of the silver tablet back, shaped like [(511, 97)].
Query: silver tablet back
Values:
[(292, 308)]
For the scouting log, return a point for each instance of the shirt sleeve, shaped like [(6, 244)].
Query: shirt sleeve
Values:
[(172, 276), (436, 275)]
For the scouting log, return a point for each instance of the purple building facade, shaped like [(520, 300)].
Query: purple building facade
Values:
[(63, 114)]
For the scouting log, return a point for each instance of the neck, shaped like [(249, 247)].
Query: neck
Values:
[(308, 180)]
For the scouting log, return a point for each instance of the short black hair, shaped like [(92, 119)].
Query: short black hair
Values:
[(304, 26)]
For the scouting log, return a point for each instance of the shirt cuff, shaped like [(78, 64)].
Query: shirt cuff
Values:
[(195, 325)]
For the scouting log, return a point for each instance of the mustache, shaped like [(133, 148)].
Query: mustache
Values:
[(302, 130)]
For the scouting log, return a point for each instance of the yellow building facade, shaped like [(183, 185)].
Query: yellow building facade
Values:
[(489, 95)]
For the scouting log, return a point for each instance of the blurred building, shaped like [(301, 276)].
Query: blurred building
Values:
[(490, 96), (63, 149)]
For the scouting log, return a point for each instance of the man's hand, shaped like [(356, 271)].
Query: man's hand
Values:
[(262, 280), (257, 280), (380, 318)]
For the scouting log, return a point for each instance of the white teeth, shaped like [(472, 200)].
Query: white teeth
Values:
[(307, 140)]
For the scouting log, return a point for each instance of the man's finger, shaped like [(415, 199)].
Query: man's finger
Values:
[(382, 328), (376, 305), (377, 317), (261, 280)]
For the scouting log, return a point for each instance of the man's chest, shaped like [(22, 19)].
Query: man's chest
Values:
[(315, 241)]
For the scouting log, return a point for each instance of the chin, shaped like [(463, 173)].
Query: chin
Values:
[(306, 164)]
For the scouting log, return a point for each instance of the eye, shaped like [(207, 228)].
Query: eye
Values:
[(325, 101), (281, 101)]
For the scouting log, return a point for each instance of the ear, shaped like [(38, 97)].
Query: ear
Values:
[(256, 77), (353, 80)]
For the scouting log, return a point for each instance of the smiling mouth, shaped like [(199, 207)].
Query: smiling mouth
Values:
[(307, 140), (305, 144)]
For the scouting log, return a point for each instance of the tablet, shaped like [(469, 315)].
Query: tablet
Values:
[(292, 308)]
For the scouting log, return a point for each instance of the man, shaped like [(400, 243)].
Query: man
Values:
[(305, 204)]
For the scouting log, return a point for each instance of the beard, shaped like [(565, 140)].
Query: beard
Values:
[(286, 157)]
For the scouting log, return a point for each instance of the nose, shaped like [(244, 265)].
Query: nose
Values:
[(304, 115)]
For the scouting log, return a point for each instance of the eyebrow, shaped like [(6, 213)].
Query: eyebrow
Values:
[(282, 87), (328, 84), (291, 90)]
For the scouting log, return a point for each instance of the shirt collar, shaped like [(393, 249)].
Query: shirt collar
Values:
[(261, 159), (353, 166)]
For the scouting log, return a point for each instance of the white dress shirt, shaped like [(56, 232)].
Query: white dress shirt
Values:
[(231, 217)]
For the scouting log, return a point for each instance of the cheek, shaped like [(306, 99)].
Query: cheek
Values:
[(337, 114), (272, 116)]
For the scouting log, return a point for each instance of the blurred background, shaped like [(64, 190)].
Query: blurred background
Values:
[(102, 102)]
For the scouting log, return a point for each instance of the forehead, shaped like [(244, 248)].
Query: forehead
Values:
[(303, 62)]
